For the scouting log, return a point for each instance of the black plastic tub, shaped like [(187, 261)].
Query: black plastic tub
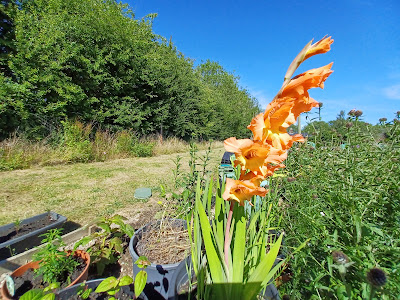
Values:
[(11, 246), (159, 276), (67, 293), (181, 278)]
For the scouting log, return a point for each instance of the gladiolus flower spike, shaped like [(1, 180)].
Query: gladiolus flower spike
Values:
[(261, 157)]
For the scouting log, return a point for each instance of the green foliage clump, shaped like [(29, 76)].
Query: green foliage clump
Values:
[(76, 144), (11, 160), (93, 61), (343, 196), (125, 141), (108, 244), (143, 149), (55, 265)]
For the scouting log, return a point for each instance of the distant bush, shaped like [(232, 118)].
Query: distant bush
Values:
[(76, 144), (125, 141), (143, 149)]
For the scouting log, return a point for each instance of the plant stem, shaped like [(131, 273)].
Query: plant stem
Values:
[(227, 236), (372, 294)]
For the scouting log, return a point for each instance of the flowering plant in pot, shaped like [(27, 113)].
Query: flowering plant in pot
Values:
[(50, 266), (240, 253)]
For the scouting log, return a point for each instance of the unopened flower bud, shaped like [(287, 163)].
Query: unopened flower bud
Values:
[(320, 104), (382, 120), (340, 258), (376, 277), (349, 125), (291, 179), (358, 113), (352, 112)]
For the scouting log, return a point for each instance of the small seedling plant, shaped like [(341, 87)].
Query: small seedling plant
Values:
[(54, 264), (141, 277), (108, 243), (39, 294), (17, 225), (112, 285)]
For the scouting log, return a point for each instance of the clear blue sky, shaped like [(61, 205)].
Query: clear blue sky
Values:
[(257, 40)]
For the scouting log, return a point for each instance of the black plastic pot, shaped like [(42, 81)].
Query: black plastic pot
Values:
[(29, 240), (67, 293), (181, 278), (158, 276)]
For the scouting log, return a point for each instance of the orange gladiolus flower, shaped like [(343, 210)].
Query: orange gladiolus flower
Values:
[(322, 46), (240, 191), (283, 111), (257, 177), (262, 156), (300, 84), (251, 155)]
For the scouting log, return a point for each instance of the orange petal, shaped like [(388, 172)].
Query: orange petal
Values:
[(300, 84), (257, 127), (240, 191), (322, 46), (234, 145)]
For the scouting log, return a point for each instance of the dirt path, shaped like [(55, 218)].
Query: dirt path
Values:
[(82, 192)]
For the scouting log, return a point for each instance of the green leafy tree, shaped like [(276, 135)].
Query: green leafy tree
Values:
[(93, 61), (233, 106)]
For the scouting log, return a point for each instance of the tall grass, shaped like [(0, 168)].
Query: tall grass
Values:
[(78, 142), (343, 198)]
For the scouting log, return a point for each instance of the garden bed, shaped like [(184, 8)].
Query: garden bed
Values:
[(12, 263), (17, 237)]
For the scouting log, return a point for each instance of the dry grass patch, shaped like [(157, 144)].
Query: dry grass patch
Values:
[(83, 192)]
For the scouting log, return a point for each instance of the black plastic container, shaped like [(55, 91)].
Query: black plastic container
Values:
[(181, 278), (30, 239), (67, 293), (226, 158), (158, 276)]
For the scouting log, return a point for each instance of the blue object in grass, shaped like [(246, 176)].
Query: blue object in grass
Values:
[(142, 193)]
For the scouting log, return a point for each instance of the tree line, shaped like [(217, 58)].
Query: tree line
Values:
[(94, 61)]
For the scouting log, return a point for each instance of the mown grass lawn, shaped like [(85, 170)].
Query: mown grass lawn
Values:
[(82, 192)]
